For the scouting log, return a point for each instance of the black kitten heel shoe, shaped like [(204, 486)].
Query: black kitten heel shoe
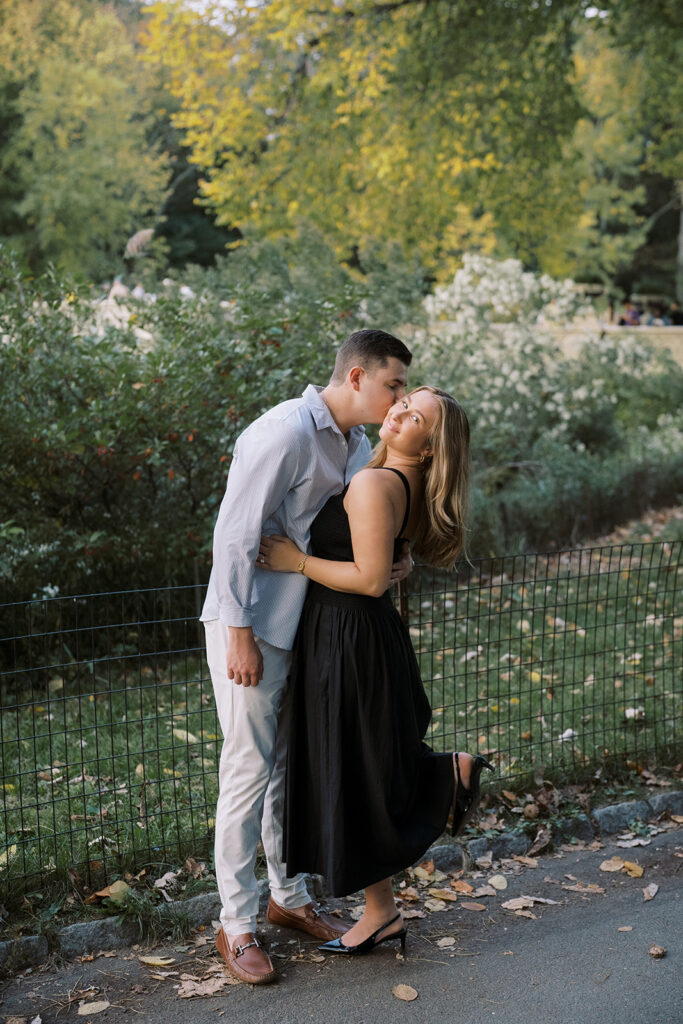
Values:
[(367, 945), (466, 801)]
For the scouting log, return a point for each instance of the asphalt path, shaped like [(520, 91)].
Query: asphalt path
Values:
[(573, 962)]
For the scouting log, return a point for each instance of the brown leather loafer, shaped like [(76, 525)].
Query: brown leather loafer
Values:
[(307, 919), (246, 959)]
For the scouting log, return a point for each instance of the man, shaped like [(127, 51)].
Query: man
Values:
[(286, 465)]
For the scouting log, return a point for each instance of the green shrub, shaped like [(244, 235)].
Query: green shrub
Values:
[(119, 421), (562, 448)]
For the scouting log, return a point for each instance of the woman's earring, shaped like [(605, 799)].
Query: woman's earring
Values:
[(422, 458)]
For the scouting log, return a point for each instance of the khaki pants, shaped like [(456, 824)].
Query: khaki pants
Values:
[(251, 783)]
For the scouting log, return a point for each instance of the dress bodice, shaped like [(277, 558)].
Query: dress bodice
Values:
[(331, 533)]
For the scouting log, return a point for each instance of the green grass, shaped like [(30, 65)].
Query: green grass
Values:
[(552, 644), (110, 780), (111, 767)]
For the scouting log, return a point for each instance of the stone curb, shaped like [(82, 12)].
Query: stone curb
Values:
[(105, 934)]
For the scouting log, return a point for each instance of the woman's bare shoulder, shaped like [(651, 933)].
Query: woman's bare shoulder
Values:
[(374, 482)]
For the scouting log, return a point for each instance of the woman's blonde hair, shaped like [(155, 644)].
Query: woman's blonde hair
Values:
[(440, 534)]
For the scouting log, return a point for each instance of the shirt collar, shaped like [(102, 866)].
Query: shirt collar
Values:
[(321, 414)]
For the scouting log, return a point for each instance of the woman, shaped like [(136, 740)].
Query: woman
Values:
[(365, 796)]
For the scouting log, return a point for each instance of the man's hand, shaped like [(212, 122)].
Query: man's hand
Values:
[(403, 567), (244, 659)]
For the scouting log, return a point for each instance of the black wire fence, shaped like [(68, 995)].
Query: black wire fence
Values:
[(110, 744)]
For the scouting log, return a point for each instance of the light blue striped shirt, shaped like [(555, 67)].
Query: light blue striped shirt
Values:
[(285, 466)]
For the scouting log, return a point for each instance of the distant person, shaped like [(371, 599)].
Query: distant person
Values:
[(676, 314), (631, 315)]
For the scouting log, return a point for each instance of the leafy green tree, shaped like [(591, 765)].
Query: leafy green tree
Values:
[(76, 154), (607, 154), (418, 121)]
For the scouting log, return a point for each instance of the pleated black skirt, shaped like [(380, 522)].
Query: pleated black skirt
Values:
[(365, 796)]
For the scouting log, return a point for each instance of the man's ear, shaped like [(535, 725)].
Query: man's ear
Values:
[(354, 376)]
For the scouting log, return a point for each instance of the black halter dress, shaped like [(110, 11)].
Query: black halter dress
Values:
[(365, 796)]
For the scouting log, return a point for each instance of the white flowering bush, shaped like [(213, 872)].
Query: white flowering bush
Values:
[(545, 426)]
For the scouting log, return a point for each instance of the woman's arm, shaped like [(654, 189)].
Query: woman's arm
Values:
[(372, 504)]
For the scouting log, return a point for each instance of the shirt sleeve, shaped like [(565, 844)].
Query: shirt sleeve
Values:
[(265, 466)]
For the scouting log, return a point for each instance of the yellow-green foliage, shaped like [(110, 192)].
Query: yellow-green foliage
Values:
[(77, 160)]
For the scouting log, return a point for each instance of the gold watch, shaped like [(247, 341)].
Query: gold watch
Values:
[(302, 563)]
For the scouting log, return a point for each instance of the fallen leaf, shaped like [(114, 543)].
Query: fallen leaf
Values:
[(5, 855), (632, 869), (678, 818), (37, 1019), (84, 1009), (446, 942), (405, 992), (485, 861), (625, 928), (529, 862), (424, 874), (484, 890), (512, 797), (526, 913), (410, 894), (461, 886), (543, 837), (517, 903), (169, 879), (117, 891), (499, 882), (657, 952), (613, 864), (186, 737), (444, 894), (469, 905), (192, 987), (436, 905), (626, 844), (411, 912), (157, 961), (650, 891), (583, 887)]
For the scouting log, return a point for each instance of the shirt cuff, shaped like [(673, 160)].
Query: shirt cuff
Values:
[(235, 616)]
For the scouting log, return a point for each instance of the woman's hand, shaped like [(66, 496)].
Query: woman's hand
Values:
[(279, 554)]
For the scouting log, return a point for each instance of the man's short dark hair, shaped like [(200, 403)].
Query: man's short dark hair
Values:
[(368, 349)]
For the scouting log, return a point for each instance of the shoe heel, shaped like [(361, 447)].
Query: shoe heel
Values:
[(466, 801), (403, 936)]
